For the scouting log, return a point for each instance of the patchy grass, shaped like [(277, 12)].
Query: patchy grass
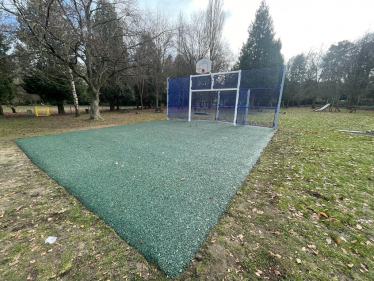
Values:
[(305, 211)]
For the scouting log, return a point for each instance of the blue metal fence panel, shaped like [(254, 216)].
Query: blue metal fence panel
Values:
[(258, 108), (178, 92)]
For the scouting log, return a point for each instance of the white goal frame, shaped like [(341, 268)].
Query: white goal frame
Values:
[(237, 89)]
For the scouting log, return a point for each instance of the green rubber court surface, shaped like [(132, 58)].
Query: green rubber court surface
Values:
[(160, 185)]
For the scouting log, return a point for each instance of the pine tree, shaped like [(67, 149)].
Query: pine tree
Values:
[(262, 49)]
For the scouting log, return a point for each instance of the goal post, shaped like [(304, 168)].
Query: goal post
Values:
[(241, 97)]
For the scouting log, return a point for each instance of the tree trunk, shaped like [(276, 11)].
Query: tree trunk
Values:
[(252, 100), (1, 110), (141, 101), (60, 107), (314, 103), (117, 103), (11, 106), (156, 96), (137, 103), (94, 108), (111, 104), (74, 92)]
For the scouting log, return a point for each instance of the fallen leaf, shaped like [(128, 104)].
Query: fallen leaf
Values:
[(294, 233), (298, 260), (343, 239), (359, 227), (350, 265), (3, 250), (275, 255), (344, 251), (354, 241), (98, 256), (367, 242), (35, 248), (124, 277), (323, 214), (328, 241), (19, 208), (122, 166), (337, 241), (14, 263), (49, 219), (364, 267), (258, 272), (183, 179), (82, 225), (277, 272), (33, 261), (115, 163), (213, 240), (43, 254)]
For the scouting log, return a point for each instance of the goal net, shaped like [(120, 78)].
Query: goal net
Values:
[(245, 97)]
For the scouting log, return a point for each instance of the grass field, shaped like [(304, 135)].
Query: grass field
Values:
[(304, 213)]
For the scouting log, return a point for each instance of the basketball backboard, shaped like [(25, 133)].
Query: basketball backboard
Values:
[(204, 66)]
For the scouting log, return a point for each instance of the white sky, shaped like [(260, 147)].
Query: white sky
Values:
[(300, 24)]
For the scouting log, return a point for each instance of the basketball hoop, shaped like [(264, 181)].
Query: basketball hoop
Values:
[(200, 70), (203, 66)]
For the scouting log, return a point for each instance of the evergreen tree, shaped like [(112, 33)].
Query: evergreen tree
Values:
[(6, 85), (262, 49)]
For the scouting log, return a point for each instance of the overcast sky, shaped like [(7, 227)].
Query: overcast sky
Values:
[(300, 24)]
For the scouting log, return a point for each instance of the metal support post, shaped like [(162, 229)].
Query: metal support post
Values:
[(167, 100), (218, 101), (280, 99), (247, 107), (190, 99), (237, 97)]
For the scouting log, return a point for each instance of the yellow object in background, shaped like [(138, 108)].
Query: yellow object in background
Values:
[(42, 112)]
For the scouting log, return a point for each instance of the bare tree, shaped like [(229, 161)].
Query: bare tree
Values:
[(163, 44), (73, 32), (201, 37), (215, 19), (313, 74)]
